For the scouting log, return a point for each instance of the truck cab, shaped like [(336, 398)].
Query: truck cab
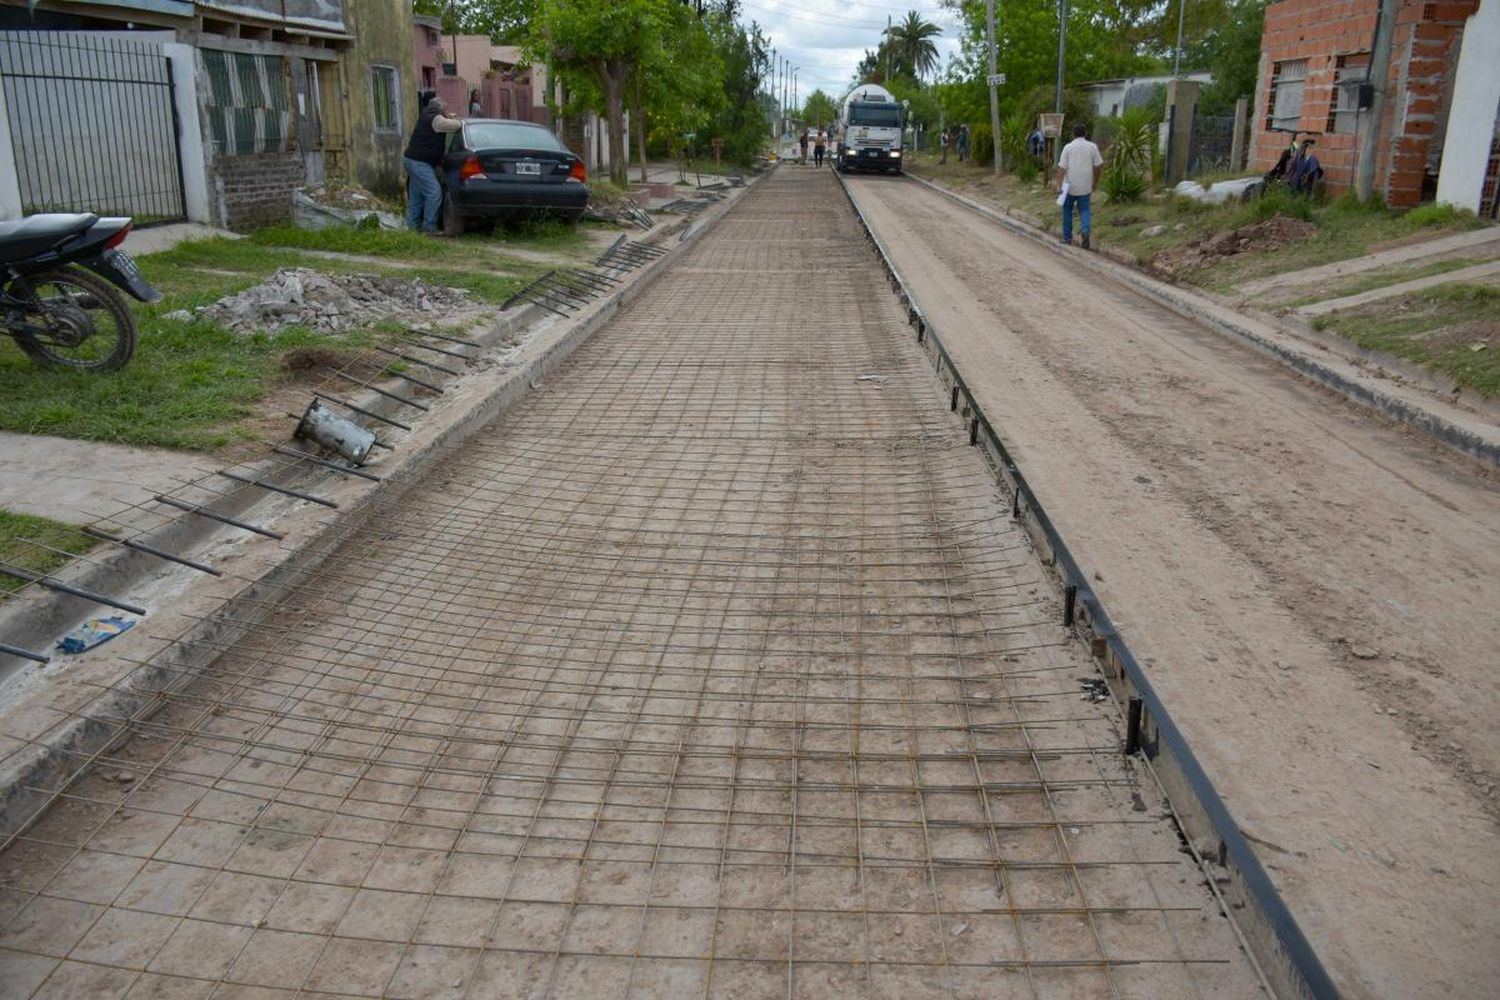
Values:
[(870, 130)]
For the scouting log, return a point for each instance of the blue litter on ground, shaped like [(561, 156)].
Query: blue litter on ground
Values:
[(94, 631)]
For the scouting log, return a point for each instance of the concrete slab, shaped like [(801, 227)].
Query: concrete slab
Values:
[(81, 481), (1486, 273), (1486, 240), (159, 238)]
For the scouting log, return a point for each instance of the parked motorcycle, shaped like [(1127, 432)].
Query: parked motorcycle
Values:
[(58, 294)]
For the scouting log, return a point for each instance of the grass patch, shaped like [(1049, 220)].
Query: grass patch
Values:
[(1452, 329), (195, 386), (37, 544), (546, 235)]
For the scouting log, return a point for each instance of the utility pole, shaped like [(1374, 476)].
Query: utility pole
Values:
[(1062, 49), (1380, 65), (989, 27), (795, 71), (1177, 56), (774, 106)]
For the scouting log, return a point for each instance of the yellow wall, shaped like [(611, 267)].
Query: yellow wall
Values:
[(382, 35)]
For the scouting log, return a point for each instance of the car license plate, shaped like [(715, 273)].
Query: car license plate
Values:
[(529, 169)]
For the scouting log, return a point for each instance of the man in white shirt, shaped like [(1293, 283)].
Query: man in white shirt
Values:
[(1078, 167)]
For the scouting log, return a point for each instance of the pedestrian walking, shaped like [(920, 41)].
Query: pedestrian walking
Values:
[(963, 143), (423, 156), (803, 143), (1078, 169), (943, 141), (820, 146)]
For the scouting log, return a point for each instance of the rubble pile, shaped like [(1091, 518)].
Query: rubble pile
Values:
[(1270, 234), (300, 296)]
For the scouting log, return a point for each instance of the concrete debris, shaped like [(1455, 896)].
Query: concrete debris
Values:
[(1151, 231), (327, 303), (1239, 189)]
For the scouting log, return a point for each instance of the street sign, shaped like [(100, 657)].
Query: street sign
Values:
[(996, 79), (1050, 124)]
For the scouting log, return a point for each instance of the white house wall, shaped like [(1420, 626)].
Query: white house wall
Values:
[(1471, 118)]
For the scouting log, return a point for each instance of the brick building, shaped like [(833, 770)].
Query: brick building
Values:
[(1314, 73)]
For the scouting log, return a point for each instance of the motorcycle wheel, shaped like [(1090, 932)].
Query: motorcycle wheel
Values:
[(92, 328)]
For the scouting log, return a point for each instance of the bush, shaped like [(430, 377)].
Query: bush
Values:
[(981, 145), (1122, 185), (1128, 160), (1435, 214)]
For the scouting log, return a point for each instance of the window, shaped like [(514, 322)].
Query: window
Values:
[(1285, 107), (886, 115), (384, 92), (1349, 75), (512, 136), (432, 37), (247, 105)]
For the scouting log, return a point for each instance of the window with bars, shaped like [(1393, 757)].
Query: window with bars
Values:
[(1284, 107), (385, 93), (1350, 72), (247, 105)]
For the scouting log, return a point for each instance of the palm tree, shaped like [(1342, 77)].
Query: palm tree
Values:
[(912, 40)]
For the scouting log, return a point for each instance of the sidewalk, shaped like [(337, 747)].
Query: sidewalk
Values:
[(80, 482)]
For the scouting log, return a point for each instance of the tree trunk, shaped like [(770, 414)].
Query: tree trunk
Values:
[(612, 80), (640, 130)]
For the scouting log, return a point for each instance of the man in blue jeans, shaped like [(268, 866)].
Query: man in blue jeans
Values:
[(1078, 167), (423, 158)]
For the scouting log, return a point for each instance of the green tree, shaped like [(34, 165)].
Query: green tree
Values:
[(1231, 49), (819, 109), (604, 43), (912, 44)]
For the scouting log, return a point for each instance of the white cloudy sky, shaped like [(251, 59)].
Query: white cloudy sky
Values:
[(827, 38)]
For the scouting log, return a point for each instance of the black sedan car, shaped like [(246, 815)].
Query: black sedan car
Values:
[(499, 169)]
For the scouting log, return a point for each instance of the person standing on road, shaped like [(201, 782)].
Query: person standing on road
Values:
[(820, 146), (1078, 169), (803, 143), (423, 157), (943, 141), (963, 143)]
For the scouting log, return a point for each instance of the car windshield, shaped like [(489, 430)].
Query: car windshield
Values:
[(875, 114), (507, 135)]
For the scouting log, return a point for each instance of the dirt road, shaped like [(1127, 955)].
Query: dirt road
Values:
[(1317, 594), (715, 669)]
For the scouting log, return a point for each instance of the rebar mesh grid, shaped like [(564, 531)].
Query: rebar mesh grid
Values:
[(715, 669)]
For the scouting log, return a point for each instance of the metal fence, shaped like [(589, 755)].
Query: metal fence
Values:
[(1210, 145), (92, 124)]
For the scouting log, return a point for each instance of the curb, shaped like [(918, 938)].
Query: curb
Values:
[(32, 776), (1474, 439)]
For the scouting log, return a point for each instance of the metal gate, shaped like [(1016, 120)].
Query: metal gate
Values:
[(1210, 144), (93, 124)]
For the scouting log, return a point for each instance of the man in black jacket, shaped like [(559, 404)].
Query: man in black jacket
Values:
[(423, 158)]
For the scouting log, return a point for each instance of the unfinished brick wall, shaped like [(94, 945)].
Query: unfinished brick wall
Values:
[(256, 189), (1324, 32)]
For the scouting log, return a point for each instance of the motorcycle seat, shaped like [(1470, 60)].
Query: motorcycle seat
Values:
[(37, 234)]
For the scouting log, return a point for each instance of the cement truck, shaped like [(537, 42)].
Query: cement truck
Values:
[(870, 126)]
